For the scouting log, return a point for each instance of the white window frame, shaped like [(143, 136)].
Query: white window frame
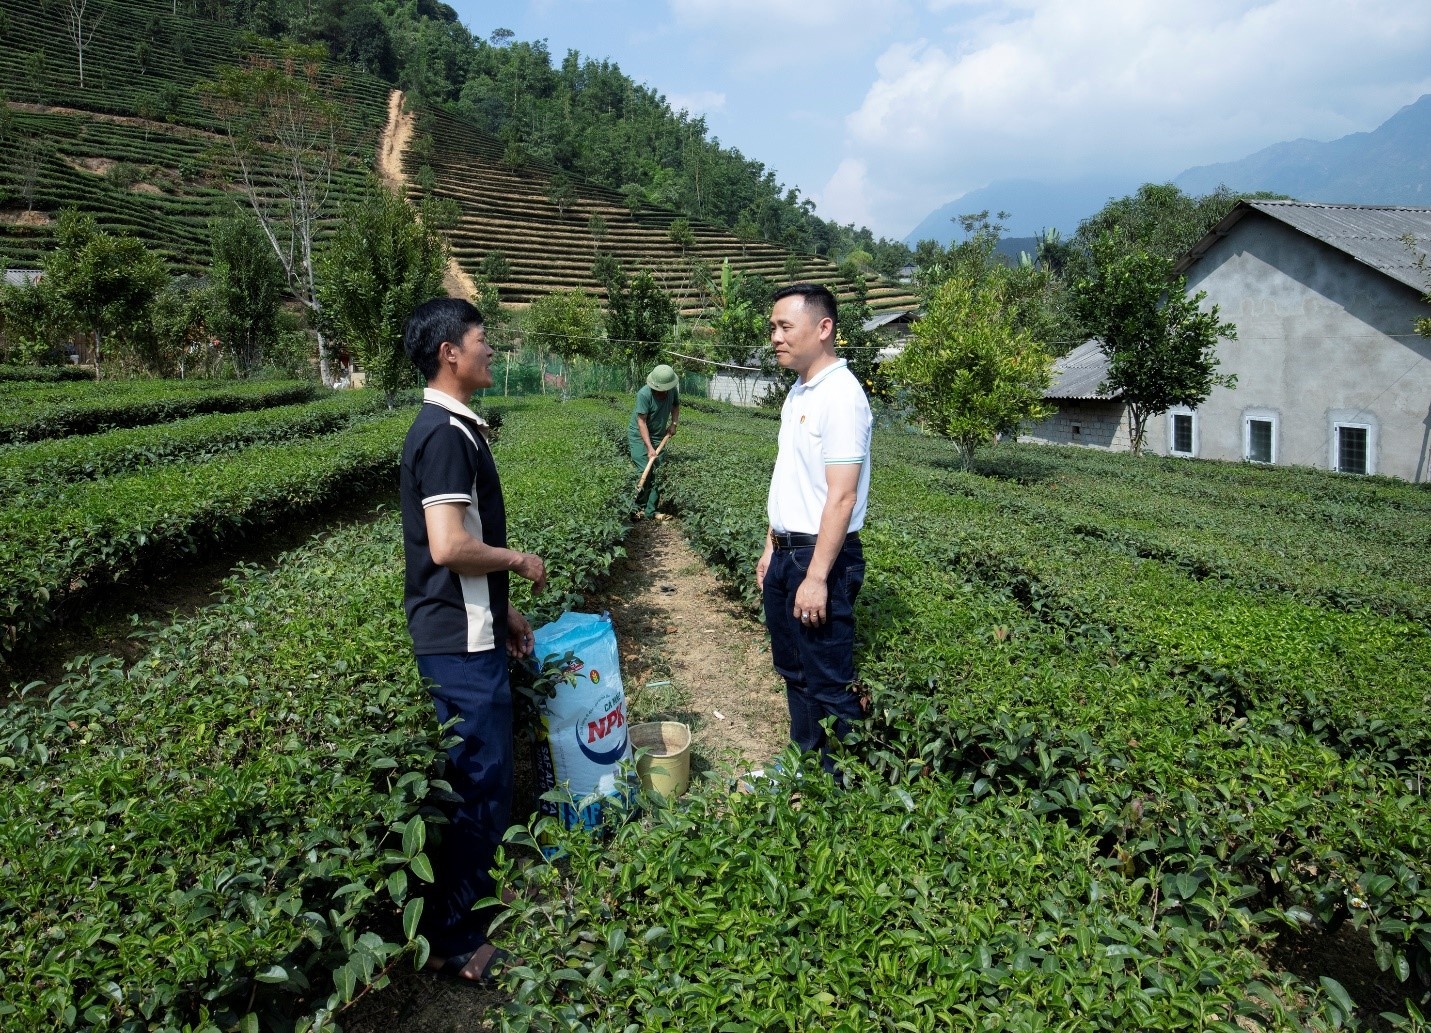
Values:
[(1191, 414), (1353, 424), (1261, 416)]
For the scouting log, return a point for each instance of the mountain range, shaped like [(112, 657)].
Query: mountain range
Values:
[(1389, 165)]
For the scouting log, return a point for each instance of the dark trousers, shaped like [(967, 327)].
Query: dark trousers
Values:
[(649, 496), (817, 663), (474, 688)]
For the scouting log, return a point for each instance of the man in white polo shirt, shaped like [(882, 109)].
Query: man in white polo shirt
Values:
[(813, 565)]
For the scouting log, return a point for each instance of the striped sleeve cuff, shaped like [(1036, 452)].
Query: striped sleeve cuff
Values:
[(844, 460), (440, 500)]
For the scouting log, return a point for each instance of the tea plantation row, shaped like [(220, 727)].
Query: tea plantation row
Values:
[(33, 412), (214, 837), (1089, 770)]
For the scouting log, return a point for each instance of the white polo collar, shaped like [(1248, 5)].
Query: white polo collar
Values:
[(837, 364), (442, 398)]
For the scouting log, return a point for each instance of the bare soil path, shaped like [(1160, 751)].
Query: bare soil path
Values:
[(397, 135), (689, 653)]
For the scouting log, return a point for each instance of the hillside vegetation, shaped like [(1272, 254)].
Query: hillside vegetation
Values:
[(138, 146), (546, 247)]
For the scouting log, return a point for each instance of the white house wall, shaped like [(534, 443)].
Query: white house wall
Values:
[(1321, 339)]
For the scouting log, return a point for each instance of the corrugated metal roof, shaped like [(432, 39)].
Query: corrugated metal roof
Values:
[(22, 277), (1373, 235), (885, 318), (1081, 373)]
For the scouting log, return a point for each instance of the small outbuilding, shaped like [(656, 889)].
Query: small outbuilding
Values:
[(1085, 411)]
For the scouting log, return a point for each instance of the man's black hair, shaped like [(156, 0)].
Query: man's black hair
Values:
[(431, 323), (814, 296)]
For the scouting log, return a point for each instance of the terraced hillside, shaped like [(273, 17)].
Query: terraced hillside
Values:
[(506, 209), (137, 147), (159, 177)]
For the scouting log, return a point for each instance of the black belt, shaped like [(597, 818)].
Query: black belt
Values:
[(807, 541)]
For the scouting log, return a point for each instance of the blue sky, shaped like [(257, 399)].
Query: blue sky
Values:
[(882, 110)]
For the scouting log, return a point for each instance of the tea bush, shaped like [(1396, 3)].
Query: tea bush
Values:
[(44, 465), (226, 834), (96, 532), (1234, 742), (33, 412)]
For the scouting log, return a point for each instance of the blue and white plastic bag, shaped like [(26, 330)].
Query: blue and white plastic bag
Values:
[(582, 741)]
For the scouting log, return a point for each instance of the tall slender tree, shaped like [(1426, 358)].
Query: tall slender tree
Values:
[(288, 139)]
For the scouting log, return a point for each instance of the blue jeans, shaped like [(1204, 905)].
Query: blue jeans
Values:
[(473, 687), (817, 663)]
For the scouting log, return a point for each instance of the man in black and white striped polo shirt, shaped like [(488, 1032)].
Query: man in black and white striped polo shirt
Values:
[(463, 627)]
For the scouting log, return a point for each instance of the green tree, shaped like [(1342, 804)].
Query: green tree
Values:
[(743, 323), (1157, 218), (639, 319), (680, 234), (102, 284), (566, 322), (29, 325), (597, 227), (495, 266), (1161, 347), (288, 137), (382, 263), (560, 194), (178, 323), (970, 372), (247, 285)]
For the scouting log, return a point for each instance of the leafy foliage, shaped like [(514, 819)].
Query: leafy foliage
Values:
[(383, 261), (213, 836), (52, 411), (42, 466), (101, 284), (969, 372), (246, 290), (566, 322), (640, 317)]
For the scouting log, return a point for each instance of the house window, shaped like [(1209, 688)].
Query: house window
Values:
[(1259, 443), (1353, 448), (1182, 432)]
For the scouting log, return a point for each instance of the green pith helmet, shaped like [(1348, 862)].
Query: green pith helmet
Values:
[(662, 378)]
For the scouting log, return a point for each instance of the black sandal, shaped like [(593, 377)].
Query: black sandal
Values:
[(452, 968)]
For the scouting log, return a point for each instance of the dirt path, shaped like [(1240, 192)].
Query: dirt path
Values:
[(397, 135), (688, 653)]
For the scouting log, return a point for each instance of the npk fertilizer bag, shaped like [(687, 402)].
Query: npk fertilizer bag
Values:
[(581, 739)]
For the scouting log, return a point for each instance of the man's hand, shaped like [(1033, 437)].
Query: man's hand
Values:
[(650, 452), (764, 565), (530, 566), (811, 599), (519, 633)]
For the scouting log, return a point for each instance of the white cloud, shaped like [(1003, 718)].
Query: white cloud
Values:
[(702, 102), (1056, 89), (848, 196)]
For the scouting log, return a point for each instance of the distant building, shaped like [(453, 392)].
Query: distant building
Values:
[(1085, 413), (1330, 370), (894, 327)]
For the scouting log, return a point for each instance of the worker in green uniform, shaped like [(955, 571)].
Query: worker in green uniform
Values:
[(658, 410)]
